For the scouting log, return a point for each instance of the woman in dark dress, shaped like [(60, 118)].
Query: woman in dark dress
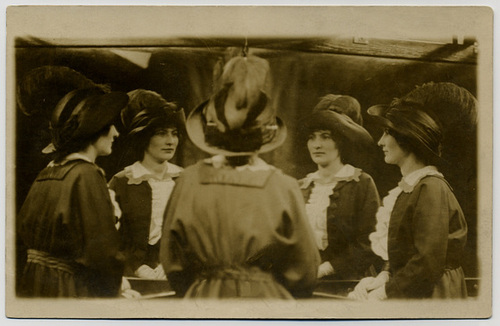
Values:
[(235, 226), (421, 229), (341, 199), (67, 222), (142, 189)]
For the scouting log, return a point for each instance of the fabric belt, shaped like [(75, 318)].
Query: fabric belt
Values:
[(44, 259), (243, 274)]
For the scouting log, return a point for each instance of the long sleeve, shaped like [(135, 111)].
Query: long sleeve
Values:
[(427, 224), (173, 245), (350, 253), (100, 252), (297, 267)]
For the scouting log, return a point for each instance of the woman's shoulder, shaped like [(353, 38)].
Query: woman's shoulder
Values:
[(71, 169), (365, 177), (433, 182)]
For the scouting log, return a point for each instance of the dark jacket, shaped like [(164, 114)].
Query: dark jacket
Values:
[(68, 217), (427, 234), (350, 220)]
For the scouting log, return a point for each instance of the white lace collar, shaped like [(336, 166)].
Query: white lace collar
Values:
[(137, 173), (346, 173)]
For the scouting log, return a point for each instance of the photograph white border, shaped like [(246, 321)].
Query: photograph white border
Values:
[(207, 29)]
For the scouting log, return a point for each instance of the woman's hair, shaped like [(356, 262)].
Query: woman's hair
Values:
[(78, 145), (345, 152), (237, 160)]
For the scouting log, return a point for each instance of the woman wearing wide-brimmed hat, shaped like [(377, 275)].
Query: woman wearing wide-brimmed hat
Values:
[(235, 226), (142, 189), (341, 199), (67, 222), (421, 229)]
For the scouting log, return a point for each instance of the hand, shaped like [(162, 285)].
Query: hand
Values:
[(325, 269), (380, 280), (144, 271), (126, 290), (160, 273), (360, 291), (378, 294), (367, 285)]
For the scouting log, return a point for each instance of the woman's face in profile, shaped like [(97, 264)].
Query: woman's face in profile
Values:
[(163, 144), (104, 143), (322, 148), (393, 153)]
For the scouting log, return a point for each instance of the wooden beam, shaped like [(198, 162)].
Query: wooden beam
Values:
[(460, 52)]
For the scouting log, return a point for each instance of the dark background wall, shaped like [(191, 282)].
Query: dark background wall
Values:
[(184, 75)]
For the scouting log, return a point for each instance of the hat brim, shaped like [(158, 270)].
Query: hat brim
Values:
[(194, 128), (101, 111), (378, 113), (341, 124)]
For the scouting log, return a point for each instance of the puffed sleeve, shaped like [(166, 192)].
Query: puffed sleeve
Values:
[(430, 228), (100, 240)]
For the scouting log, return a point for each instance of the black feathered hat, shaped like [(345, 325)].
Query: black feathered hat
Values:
[(147, 109), (432, 116), (83, 113), (74, 106), (42, 88)]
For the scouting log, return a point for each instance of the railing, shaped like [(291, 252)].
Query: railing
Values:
[(326, 289)]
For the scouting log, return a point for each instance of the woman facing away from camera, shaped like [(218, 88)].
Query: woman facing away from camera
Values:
[(67, 221), (142, 189), (235, 226), (341, 199), (421, 230)]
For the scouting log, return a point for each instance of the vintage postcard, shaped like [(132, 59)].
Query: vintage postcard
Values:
[(339, 157)]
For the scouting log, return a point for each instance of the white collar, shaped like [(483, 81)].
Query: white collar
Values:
[(255, 163), (137, 173), (408, 182), (346, 173), (72, 157)]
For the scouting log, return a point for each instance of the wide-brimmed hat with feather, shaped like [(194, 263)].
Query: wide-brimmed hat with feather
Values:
[(83, 113), (437, 118), (147, 110), (39, 91), (239, 118), (75, 107)]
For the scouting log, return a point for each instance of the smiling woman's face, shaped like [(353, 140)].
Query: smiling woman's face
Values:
[(162, 145), (323, 148)]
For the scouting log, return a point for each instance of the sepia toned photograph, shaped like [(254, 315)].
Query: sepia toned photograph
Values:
[(249, 162)]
